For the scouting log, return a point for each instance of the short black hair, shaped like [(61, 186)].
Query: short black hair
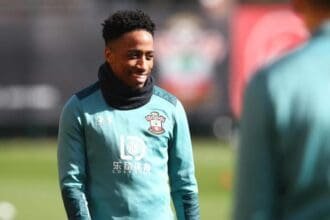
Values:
[(320, 4), (124, 21)]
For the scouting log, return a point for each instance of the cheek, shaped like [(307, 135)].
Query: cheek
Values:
[(128, 67), (114, 66), (151, 65), (130, 63), (122, 66)]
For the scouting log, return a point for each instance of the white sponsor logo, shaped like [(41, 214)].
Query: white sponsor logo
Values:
[(132, 148), (132, 151)]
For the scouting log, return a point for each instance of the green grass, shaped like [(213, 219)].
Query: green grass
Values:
[(28, 178), (214, 164)]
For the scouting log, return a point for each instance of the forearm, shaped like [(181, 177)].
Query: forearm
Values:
[(186, 205), (75, 204), (183, 182)]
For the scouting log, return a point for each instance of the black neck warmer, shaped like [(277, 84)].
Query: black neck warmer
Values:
[(119, 95)]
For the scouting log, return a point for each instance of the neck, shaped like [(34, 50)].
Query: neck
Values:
[(119, 95), (313, 18)]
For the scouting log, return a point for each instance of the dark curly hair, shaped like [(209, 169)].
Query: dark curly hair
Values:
[(125, 21), (320, 4)]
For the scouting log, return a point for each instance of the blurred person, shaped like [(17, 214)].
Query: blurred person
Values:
[(283, 166), (124, 146)]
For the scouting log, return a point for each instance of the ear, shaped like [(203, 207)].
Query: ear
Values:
[(108, 55)]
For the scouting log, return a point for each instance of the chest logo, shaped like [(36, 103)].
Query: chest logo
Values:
[(132, 148), (156, 122)]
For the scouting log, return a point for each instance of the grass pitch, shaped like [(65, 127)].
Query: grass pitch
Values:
[(28, 178)]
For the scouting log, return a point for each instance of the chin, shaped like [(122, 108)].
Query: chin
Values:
[(139, 85)]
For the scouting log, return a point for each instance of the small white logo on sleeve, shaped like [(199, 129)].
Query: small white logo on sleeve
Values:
[(101, 121)]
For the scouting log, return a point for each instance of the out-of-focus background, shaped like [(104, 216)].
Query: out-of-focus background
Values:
[(206, 51)]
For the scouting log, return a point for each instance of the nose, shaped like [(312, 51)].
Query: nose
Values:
[(142, 63)]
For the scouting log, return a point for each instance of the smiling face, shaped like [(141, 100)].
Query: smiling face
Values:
[(131, 57)]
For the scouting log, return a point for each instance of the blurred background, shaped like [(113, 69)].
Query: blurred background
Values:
[(206, 51)]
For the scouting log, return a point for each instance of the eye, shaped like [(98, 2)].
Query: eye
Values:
[(133, 55), (149, 56)]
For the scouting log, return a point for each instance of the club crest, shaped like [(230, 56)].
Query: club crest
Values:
[(156, 122)]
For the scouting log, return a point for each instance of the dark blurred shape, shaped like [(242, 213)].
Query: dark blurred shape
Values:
[(282, 169)]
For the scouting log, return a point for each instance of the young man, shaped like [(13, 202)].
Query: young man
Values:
[(124, 145), (283, 169)]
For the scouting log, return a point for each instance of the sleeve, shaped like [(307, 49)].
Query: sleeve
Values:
[(72, 162), (183, 183), (255, 190)]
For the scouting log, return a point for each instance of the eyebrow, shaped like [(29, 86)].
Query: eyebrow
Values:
[(137, 50)]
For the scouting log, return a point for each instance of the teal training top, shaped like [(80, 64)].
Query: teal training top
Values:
[(126, 164), (283, 169)]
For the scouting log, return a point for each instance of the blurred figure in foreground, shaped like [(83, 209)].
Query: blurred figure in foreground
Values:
[(283, 169), (124, 145)]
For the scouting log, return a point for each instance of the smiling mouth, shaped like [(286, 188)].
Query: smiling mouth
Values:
[(140, 76)]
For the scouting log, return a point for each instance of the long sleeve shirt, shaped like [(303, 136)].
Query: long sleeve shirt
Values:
[(126, 164)]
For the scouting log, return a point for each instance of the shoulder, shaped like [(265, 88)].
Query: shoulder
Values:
[(282, 70), (274, 81), (163, 94), (171, 103), (86, 92), (291, 64), (74, 102)]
